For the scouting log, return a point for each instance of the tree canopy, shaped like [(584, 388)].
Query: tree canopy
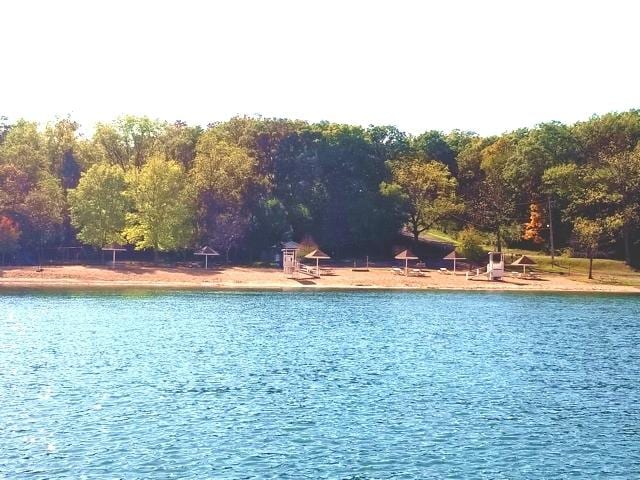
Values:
[(162, 213), (245, 184), (98, 206)]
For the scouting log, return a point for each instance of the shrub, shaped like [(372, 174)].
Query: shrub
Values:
[(307, 245), (470, 244)]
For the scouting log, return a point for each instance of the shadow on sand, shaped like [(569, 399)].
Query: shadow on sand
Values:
[(139, 269)]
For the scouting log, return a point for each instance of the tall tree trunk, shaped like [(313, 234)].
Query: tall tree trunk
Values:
[(416, 231), (155, 255), (590, 264), (498, 240), (551, 244), (627, 244)]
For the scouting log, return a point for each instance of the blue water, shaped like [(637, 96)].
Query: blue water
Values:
[(319, 385)]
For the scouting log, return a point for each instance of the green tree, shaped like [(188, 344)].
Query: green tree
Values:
[(260, 136), (129, 141), (428, 192), (299, 180), (14, 187), (348, 211), (490, 202), (388, 142), (44, 208), (23, 147), (470, 244), (223, 175), (601, 201), (98, 206), (562, 180), (270, 222), (606, 134), (591, 233), (222, 170), (162, 216), (432, 145), (37, 205), (621, 175), (534, 151), (459, 140), (60, 139), (469, 161), (178, 141)]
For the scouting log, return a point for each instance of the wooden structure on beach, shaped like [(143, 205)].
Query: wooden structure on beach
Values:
[(494, 269), (290, 257), (207, 252), (524, 261), (406, 255), (454, 256), (318, 255), (291, 264), (114, 247)]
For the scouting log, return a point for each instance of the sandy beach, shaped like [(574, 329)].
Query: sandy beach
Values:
[(263, 278)]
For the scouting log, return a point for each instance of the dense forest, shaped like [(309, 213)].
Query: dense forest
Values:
[(244, 185)]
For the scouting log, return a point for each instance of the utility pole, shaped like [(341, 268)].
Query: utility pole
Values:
[(551, 231)]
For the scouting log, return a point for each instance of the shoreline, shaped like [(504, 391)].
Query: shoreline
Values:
[(257, 279), (172, 287)]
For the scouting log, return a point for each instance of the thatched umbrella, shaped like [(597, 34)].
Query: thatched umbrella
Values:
[(114, 247), (454, 256), (207, 251), (524, 261), (318, 255), (406, 255)]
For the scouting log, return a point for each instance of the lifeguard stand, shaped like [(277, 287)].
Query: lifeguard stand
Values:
[(290, 257), (495, 267)]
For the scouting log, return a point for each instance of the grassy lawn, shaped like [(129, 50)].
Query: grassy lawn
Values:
[(438, 236), (611, 272)]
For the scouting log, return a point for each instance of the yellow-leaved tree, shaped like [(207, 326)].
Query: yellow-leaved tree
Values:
[(98, 205), (163, 207)]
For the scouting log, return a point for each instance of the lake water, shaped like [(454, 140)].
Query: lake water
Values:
[(345, 385)]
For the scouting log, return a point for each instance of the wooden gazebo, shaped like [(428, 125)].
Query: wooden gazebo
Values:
[(318, 255)]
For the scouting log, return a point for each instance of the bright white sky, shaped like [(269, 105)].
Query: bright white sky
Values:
[(487, 66)]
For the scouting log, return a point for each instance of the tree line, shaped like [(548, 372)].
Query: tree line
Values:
[(246, 184)]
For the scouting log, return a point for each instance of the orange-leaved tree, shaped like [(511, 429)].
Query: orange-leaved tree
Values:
[(9, 235), (534, 226)]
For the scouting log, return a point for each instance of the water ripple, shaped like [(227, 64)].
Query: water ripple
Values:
[(319, 385)]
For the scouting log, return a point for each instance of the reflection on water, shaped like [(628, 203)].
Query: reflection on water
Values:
[(319, 385)]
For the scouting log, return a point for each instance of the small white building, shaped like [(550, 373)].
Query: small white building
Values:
[(495, 267), (290, 257), (494, 270)]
